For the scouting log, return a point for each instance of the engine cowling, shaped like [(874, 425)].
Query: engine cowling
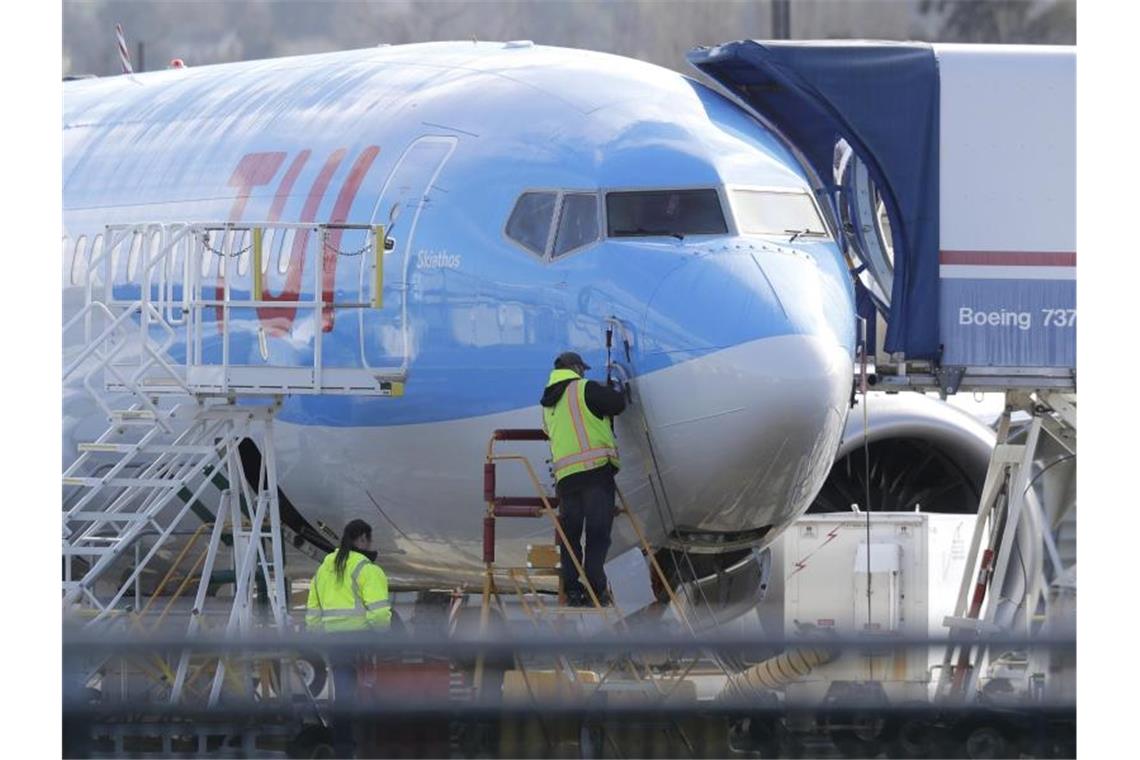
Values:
[(910, 452)]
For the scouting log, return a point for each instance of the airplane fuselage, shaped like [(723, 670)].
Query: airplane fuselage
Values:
[(740, 341)]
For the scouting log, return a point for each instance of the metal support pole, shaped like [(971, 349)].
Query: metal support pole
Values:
[(138, 579), (279, 598), (318, 299), (378, 264), (995, 477), (203, 587), (1015, 506), (781, 19), (257, 274), (225, 270)]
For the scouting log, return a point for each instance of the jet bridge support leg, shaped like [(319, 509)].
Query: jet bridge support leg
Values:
[(1009, 508)]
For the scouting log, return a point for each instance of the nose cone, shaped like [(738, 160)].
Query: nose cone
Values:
[(745, 430), (744, 437)]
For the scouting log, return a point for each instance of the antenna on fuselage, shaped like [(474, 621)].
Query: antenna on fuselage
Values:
[(124, 51)]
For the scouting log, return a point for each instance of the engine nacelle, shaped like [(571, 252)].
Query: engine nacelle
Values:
[(910, 453)]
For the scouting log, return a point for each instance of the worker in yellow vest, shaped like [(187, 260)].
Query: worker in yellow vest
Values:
[(349, 594), (577, 417)]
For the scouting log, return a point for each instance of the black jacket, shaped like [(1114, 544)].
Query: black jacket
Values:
[(602, 401)]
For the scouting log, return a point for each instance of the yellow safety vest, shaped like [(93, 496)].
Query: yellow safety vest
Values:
[(579, 440), (357, 602)]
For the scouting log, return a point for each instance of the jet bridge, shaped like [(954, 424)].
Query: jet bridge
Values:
[(951, 172)]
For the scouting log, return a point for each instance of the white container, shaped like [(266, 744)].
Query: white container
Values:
[(916, 566)]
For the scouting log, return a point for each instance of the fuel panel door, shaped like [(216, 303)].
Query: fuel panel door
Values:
[(384, 331)]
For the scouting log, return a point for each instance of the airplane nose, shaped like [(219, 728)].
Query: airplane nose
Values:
[(746, 430)]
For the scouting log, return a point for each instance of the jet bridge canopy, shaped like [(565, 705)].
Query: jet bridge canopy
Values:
[(882, 99), (971, 152)]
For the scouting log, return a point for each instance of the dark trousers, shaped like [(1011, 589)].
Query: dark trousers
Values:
[(344, 687), (590, 507)]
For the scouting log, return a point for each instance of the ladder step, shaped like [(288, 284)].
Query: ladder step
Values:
[(543, 556), (520, 573)]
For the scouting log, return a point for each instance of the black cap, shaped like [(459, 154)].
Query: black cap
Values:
[(569, 360)]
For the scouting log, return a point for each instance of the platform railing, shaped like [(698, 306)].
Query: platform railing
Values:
[(158, 278)]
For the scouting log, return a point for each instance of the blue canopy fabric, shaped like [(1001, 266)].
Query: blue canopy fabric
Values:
[(883, 98)]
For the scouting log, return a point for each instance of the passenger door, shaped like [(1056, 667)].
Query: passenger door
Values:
[(384, 332)]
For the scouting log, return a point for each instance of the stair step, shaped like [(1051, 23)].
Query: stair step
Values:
[(86, 551), (128, 448), (128, 416), (109, 516), (133, 482), (543, 556)]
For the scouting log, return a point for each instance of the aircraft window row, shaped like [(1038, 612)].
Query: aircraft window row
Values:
[(677, 213), (777, 212)]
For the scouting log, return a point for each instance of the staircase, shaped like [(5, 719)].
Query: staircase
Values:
[(177, 411)]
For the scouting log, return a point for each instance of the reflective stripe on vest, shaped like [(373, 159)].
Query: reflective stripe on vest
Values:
[(585, 456), (360, 609), (572, 399)]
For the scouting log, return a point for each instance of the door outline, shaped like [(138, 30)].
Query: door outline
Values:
[(450, 142)]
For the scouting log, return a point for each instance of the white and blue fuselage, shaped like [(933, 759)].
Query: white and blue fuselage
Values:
[(740, 337)]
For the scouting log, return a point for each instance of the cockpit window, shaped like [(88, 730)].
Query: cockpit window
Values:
[(529, 225), (777, 212), (577, 222), (664, 212)]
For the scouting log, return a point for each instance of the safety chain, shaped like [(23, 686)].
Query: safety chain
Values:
[(206, 244), (367, 247)]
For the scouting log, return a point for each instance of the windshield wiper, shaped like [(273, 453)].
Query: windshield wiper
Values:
[(641, 231), (796, 233)]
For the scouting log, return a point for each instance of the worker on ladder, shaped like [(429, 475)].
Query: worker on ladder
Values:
[(348, 594), (577, 417)]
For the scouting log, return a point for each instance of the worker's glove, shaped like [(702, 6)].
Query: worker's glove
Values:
[(617, 385)]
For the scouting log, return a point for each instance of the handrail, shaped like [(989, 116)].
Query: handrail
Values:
[(164, 267)]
